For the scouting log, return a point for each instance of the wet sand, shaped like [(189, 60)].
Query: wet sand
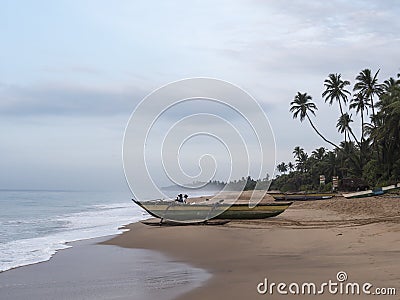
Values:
[(309, 242), (92, 271)]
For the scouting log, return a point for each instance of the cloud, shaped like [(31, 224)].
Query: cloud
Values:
[(85, 69), (67, 100), (102, 64)]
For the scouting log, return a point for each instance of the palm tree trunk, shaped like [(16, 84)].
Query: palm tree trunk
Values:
[(362, 125), (351, 131), (362, 140), (341, 112), (316, 130), (340, 106), (373, 109)]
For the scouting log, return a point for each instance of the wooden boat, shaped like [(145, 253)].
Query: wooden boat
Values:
[(362, 194), (301, 196), (371, 193), (176, 211)]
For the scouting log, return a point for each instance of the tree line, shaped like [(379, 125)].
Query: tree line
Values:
[(373, 156)]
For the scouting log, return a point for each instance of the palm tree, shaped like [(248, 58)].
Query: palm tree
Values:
[(302, 162), (335, 90), (368, 86), (297, 151), (347, 157), (300, 106), (290, 166), (343, 125), (360, 104), (319, 153), (332, 162), (386, 135), (388, 84), (282, 167)]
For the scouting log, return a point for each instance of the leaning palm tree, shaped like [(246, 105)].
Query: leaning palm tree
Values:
[(301, 106), (360, 104), (335, 90), (369, 86), (343, 125)]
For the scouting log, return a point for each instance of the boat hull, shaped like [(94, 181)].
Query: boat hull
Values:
[(371, 193), (301, 197), (188, 212)]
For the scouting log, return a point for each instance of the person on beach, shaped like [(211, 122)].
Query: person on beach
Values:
[(179, 198)]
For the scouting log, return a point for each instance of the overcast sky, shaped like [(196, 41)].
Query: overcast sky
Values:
[(71, 72)]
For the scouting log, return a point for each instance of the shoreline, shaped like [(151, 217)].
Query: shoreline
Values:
[(68, 246), (95, 271), (35, 226)]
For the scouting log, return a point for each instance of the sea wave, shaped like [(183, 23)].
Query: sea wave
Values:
[(53, 234)]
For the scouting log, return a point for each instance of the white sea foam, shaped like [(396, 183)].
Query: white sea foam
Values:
[(96, 221), (35, 224)]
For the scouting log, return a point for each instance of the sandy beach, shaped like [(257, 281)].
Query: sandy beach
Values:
[(310, 242)]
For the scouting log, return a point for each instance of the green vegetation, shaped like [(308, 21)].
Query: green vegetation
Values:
[(243, 184), (374, 157)]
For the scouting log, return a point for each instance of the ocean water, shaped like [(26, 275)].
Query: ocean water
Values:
[(35, 224)]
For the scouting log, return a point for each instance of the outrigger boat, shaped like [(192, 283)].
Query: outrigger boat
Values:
[(374, 192), (177, 211), (301, 196)]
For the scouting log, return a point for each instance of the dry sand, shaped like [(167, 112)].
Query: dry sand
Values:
[(309, 242)]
